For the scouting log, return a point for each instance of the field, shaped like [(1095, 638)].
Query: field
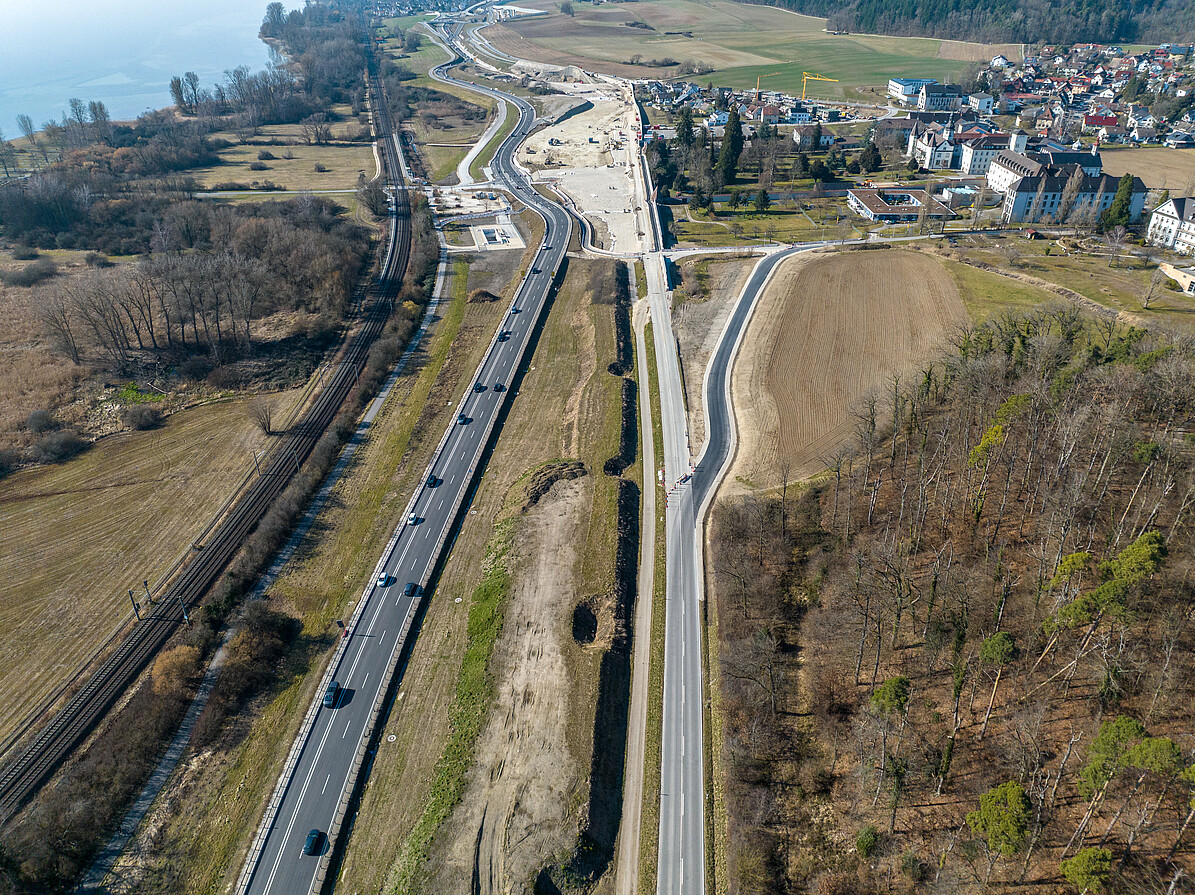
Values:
[(442, 134), (740, 41), (1119, 288), (1159, 167), (828, 330), (293, 166), (76, 537)]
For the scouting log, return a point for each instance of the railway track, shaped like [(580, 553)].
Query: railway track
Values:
[(22, 777)]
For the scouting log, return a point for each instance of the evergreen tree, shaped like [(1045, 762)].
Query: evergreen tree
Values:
[(732, 148), (870, 158), (684, 127), (1118, 212)]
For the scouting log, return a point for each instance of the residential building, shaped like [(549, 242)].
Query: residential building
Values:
[(1172, 226), (932, 146), (940, 98), (1037, 198), (1093, 121), (976, 156), (981, 103), (803, 137), (905, 90), (892, 206)]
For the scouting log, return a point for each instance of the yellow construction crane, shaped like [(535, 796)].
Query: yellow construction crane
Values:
[(810, 76), (760, 78)]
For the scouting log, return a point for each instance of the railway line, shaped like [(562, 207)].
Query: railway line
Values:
[(45, 752)]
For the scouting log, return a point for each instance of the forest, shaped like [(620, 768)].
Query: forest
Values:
[(1020, 21), (962, 660)]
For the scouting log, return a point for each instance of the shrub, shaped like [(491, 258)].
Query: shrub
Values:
[(30, 274), (141, 416), (9, 460), (58, 446), (913, 867), (96, 259), (40, 421), (258, 166), (320, 168), (266, 156), (24, 253), (195, 368), (867, 840)]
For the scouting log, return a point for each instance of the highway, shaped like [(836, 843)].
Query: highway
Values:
[(322, 770)]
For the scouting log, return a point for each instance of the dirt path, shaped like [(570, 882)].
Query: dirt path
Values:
[(514, 815), (698, 326), (828, 330)]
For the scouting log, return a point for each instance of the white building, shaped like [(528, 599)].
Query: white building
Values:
[(1172, 226), (1038, 198), (906, 90), (940, 98), (977, 155), (981, 103)]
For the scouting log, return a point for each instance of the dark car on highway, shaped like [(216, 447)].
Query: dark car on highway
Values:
[(311, 846), (330, 694)]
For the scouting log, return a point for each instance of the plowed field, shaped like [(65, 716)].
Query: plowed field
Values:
[(828, 330)]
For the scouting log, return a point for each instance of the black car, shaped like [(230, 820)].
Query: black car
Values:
[(432, 481), (504, 335), (478, 387), (330, 694), (499, 387), (461, 419), (311, 846), (412, 589)]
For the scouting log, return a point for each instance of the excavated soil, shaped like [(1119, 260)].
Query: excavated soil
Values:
[(519, 809)]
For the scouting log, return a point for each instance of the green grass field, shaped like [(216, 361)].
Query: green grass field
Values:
[(743, 42)]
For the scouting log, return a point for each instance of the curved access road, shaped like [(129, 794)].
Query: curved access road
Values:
[(321, 773)]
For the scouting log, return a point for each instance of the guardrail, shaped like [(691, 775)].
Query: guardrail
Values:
[(349, 787)]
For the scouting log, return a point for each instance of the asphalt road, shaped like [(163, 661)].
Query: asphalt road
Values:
[(681, 866), (322, 773)]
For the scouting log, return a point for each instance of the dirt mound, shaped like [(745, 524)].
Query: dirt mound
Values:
[(828, 330), (542, 480), (481, 295)]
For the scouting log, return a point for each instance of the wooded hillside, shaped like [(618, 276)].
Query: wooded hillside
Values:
[(964, 660)]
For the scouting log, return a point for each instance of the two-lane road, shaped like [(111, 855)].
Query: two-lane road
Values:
[(325, 756)]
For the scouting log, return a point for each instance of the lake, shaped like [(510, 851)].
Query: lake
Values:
[(122, 52)]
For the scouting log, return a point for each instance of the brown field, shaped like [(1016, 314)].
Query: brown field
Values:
[(1159, 167), (740, 41), (828, 330), (77, 536)]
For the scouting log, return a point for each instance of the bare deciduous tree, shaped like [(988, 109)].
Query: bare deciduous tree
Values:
[(261, 412)]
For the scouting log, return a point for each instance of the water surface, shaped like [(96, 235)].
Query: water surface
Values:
[(122, 52)]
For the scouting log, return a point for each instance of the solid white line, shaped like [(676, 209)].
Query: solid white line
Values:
[(295, 814)]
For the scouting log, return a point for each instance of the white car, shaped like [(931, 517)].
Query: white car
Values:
[(412, 519), (383, 579)]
